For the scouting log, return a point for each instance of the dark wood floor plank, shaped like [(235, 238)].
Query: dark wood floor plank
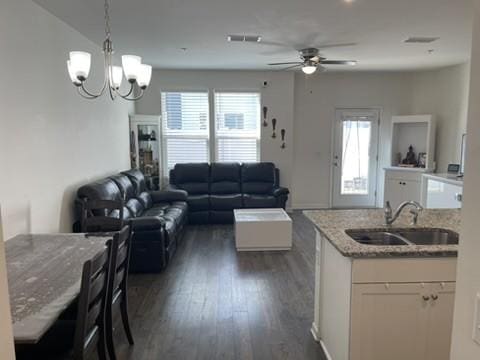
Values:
[(215, 303)]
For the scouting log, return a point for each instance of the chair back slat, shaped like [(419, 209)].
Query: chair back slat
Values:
[(122, 256), (91, 304), (102, 215), (120, 260)]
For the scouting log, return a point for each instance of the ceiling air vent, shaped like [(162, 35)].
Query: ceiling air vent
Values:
[(420, 40), (244, 38)]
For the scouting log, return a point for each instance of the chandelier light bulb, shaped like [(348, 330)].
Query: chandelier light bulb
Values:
[(144, 76), (80, 62), (309, 69), (117, 76), (72, 75), (78, 66), (131, 67)]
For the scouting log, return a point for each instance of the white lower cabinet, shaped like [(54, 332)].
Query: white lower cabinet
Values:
[(383, 308), (402, 185), (401, 321)]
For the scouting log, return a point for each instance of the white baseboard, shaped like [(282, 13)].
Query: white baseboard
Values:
[(314, 332), (301, 206), (325, 351), (316, 336)]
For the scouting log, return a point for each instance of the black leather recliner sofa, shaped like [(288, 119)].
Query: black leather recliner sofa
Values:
[(214, 190), (158, 218)]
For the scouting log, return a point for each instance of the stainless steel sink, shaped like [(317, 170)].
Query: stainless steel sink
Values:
[(384, 237), (376, 237), (429, 236)]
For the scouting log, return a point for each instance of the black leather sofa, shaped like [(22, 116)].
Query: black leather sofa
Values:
[(158, 218), (214, 190)]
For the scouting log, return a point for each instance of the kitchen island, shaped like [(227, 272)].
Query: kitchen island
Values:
[(376, 302)]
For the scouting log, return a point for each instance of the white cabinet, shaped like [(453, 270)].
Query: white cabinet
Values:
[(383, 308), (401, 321), (402, 185), (417, 131), (145, 148), (441, 191)]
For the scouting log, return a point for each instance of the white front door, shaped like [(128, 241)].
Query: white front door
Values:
[(355, 158)]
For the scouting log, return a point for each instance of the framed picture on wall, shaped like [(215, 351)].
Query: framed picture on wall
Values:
[(422, 159)]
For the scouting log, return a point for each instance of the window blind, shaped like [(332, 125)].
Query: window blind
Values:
[(237, 126), (185, 128)]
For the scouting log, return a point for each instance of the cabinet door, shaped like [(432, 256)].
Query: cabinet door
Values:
[(440, 321), (411, 190), (389, 321), (394, 192)]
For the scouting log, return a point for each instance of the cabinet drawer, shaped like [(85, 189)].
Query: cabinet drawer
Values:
[(403, 175), (404, 270)]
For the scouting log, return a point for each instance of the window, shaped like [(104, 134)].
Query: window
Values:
[(237, 126), (185, 128)]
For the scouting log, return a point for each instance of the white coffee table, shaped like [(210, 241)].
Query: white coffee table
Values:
[(262, 229)]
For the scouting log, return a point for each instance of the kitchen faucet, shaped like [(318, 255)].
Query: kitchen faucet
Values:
[(390, 217)]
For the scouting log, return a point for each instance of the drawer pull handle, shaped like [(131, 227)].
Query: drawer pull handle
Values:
[(434, 297), (426, 298)]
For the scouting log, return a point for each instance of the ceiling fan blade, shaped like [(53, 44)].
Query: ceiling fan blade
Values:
[(291, 67), (329, 46), (339, 62), (287, 63)]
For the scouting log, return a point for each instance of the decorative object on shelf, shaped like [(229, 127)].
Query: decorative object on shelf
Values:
[(274, 124), (135, 72), (422, 160), (410, 159), (282, 134), (265, 111)]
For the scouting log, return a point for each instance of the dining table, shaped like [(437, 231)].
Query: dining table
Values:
[(44, 273)]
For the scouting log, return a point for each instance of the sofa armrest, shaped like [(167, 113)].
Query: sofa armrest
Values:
[(147, 223), (279, 191), (169, 195)]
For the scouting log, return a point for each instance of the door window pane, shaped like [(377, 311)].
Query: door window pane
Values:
[(355, 156)]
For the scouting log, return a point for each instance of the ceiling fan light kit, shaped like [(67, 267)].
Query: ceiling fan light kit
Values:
[(311, 61), (309, 69), (132, 67)]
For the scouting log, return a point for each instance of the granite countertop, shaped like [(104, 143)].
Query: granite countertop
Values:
[(333, 223)]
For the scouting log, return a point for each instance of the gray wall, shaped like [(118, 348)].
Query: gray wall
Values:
[(306, 107), (277, 96), (51, 140)]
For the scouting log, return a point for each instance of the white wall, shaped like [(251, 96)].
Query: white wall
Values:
[(468, 269), (51, 140), (6, 337), (444, 92), (277, 96), (315, 101)]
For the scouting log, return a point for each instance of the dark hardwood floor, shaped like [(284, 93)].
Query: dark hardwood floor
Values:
[(215, 303)]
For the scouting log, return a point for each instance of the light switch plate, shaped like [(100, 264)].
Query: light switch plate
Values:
[(476, 325)]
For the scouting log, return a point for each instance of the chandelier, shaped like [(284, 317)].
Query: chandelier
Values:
[(135, 72)]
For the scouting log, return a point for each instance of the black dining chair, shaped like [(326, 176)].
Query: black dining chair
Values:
[(117, 286), (90, 324), (78, 337), (102, 215)]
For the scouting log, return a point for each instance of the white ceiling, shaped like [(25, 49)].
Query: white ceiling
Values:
[(158, 29)]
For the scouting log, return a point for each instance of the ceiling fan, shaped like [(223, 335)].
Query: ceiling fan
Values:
[(311, 61)]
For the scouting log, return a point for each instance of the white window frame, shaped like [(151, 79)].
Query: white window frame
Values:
[(213, 126), (163, 129)]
